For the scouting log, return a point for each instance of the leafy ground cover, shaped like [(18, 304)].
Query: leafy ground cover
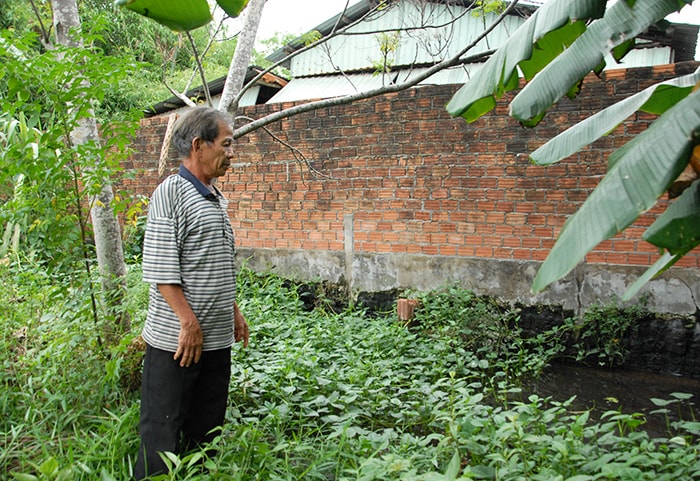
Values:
[(318, 395)]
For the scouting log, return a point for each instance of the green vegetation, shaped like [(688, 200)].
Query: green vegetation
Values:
[(46, 178), (601, 334), (51, 179), (317, 395), (151, 55)]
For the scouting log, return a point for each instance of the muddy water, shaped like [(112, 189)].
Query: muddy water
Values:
[(630, 392)]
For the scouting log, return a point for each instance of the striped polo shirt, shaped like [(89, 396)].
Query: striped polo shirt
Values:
[(189, 241)]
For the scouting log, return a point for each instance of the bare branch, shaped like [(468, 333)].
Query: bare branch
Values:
[(334, 33), (212, 38), (340, 17), (298, 155), (346, 99), (421, 27), (188, 101), (205, 86), (45, 34)]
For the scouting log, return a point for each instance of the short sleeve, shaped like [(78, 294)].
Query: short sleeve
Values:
[(161, 256)]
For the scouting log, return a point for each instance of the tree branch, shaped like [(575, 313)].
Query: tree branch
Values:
[(207, 94), (334, 33), (298, 155), (346, 99), (45, 34), (188, 101), (212, 38)]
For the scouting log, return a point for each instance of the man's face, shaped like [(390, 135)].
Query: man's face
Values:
[(217, 155)]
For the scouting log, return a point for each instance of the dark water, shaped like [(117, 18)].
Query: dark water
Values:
[(630, 392)]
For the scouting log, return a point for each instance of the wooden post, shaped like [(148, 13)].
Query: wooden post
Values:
[(405, 308)]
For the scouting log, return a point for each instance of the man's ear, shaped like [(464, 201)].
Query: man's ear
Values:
[(196, 144)]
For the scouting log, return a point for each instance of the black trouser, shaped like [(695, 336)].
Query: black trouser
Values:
[(180, 406)]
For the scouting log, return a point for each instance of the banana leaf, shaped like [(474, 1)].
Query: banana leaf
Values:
[(181, 15), (178, 15), (655, 100), (663, 263), (545, 34), (639, 174), (678, 228), (676, 231), (233, 8), (623, 21)]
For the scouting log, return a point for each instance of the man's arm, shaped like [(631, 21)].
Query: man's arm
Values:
[(189, 348), (240, 326)]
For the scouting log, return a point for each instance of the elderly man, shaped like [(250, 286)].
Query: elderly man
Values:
[(193, 319)]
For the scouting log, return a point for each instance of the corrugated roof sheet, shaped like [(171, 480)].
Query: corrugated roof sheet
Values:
[(427, 32), (327, 86), (308, 88)]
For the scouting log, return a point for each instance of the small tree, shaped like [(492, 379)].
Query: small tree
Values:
[(60, 167)]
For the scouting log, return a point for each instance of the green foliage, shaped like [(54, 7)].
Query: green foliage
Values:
[(54, 401), (219, 56), (484, 7), (493, 334), (317, 395), (150, 48), (133, 239), (311, 37), (123, 34), (152, 52), (43, 98), (134, 230), (18, 14), (159, 53), (53, 163), (603, 332), (272, 44), (388, 45)]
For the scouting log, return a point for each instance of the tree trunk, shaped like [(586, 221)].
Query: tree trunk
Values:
[(108, 241), (241, 57)]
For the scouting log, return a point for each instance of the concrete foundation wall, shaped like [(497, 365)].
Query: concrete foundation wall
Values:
[(676, 292)]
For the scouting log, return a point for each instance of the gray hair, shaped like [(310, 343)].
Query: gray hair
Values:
[(202, 122)]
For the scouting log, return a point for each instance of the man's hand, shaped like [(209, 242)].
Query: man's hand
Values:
[(189, 345), (190, 340), (240, 326)]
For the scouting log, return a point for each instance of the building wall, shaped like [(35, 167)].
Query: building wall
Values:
[(391, 193)]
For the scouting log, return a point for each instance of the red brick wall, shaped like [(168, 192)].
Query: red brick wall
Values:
[(418, 181)]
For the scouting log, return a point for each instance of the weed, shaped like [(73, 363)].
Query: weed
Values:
[(601, 335), (318, 395)]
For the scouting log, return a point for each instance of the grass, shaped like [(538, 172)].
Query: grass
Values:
[(318, 395)]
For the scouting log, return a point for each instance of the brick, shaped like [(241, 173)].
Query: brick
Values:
[(430, 250)]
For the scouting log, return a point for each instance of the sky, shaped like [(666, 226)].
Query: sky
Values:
[(297, 16), (300, 16)]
